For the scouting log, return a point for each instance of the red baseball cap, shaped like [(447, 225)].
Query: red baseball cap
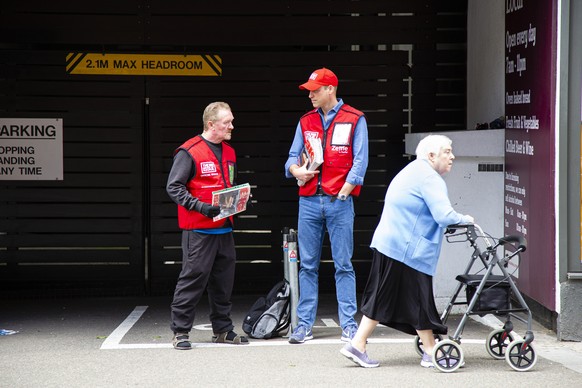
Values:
[(320, 77)]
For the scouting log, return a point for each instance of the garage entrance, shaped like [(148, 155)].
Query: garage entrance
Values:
[(108, 227)]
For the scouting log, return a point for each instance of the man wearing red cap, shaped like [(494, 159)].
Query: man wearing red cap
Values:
[(326, 198)]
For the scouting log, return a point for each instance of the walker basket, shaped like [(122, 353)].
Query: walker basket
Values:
[(494, 297)]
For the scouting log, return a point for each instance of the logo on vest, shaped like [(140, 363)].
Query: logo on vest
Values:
[(340, 149), (207, 168), (311, 135)]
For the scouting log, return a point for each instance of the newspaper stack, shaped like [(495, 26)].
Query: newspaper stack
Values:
[(313, 154)]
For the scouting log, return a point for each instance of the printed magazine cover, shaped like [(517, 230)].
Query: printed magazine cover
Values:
[(313, 154), (231, 200)]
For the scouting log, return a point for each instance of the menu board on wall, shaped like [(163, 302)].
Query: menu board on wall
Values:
[(529, 141)]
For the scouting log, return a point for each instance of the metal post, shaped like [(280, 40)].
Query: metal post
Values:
[(293, 257), (286, 253)]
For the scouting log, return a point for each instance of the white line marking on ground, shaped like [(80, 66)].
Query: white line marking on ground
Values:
[(113, 340), (329, 323), (204, 327), (277, 342)]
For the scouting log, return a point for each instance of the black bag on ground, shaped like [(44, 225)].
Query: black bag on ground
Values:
[(269, 316)]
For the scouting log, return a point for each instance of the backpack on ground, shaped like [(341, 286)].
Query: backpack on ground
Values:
[(269, 316)]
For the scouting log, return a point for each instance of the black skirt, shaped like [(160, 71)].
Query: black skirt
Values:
[(400, 297)]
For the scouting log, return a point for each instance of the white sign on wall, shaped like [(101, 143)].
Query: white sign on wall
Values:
[(31, 149)]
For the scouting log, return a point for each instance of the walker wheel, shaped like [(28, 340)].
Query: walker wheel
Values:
[(447, 356), (418, 343), (520, 356), (497, 342)]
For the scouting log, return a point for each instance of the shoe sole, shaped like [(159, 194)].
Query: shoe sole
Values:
[(294, 341), (182, 347), (356, 360)]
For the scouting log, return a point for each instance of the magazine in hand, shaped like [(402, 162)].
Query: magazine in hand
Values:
[(313, 154), (231, 200)]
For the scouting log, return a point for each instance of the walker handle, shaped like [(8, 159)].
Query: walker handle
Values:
[(514, 239), (453, 227)]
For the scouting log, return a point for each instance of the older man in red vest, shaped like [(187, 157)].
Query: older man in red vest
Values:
[(203, 164)]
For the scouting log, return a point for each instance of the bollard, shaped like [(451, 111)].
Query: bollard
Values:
[(293, 257)]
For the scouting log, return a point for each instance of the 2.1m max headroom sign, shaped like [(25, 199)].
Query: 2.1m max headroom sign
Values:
[(144, 64)]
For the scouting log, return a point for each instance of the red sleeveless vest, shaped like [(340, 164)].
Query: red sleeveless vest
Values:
[(210, 176), (337, 150)]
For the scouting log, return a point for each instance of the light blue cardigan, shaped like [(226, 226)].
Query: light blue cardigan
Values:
[(416, 212)]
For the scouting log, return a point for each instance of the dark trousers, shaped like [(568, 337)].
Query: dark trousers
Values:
[(208, 263)]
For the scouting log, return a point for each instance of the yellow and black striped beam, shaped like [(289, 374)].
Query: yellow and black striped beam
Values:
[(144, 64)]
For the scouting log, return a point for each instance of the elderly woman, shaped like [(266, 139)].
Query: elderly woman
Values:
[(406, 247)]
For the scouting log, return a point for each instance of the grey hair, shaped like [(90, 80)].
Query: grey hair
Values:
[(211, 112), (432, 144)]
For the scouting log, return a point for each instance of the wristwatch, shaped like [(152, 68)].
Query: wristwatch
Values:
[(342, 197)]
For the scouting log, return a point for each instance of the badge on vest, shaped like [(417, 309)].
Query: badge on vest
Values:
[(207, 168), (341, 134), (231, 172)]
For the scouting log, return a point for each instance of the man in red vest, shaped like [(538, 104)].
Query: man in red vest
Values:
[(203, 164), (326, 198)]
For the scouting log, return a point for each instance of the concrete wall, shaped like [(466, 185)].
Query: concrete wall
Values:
[(571, 312)]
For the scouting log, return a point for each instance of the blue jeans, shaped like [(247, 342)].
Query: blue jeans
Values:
[(316, 214)]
